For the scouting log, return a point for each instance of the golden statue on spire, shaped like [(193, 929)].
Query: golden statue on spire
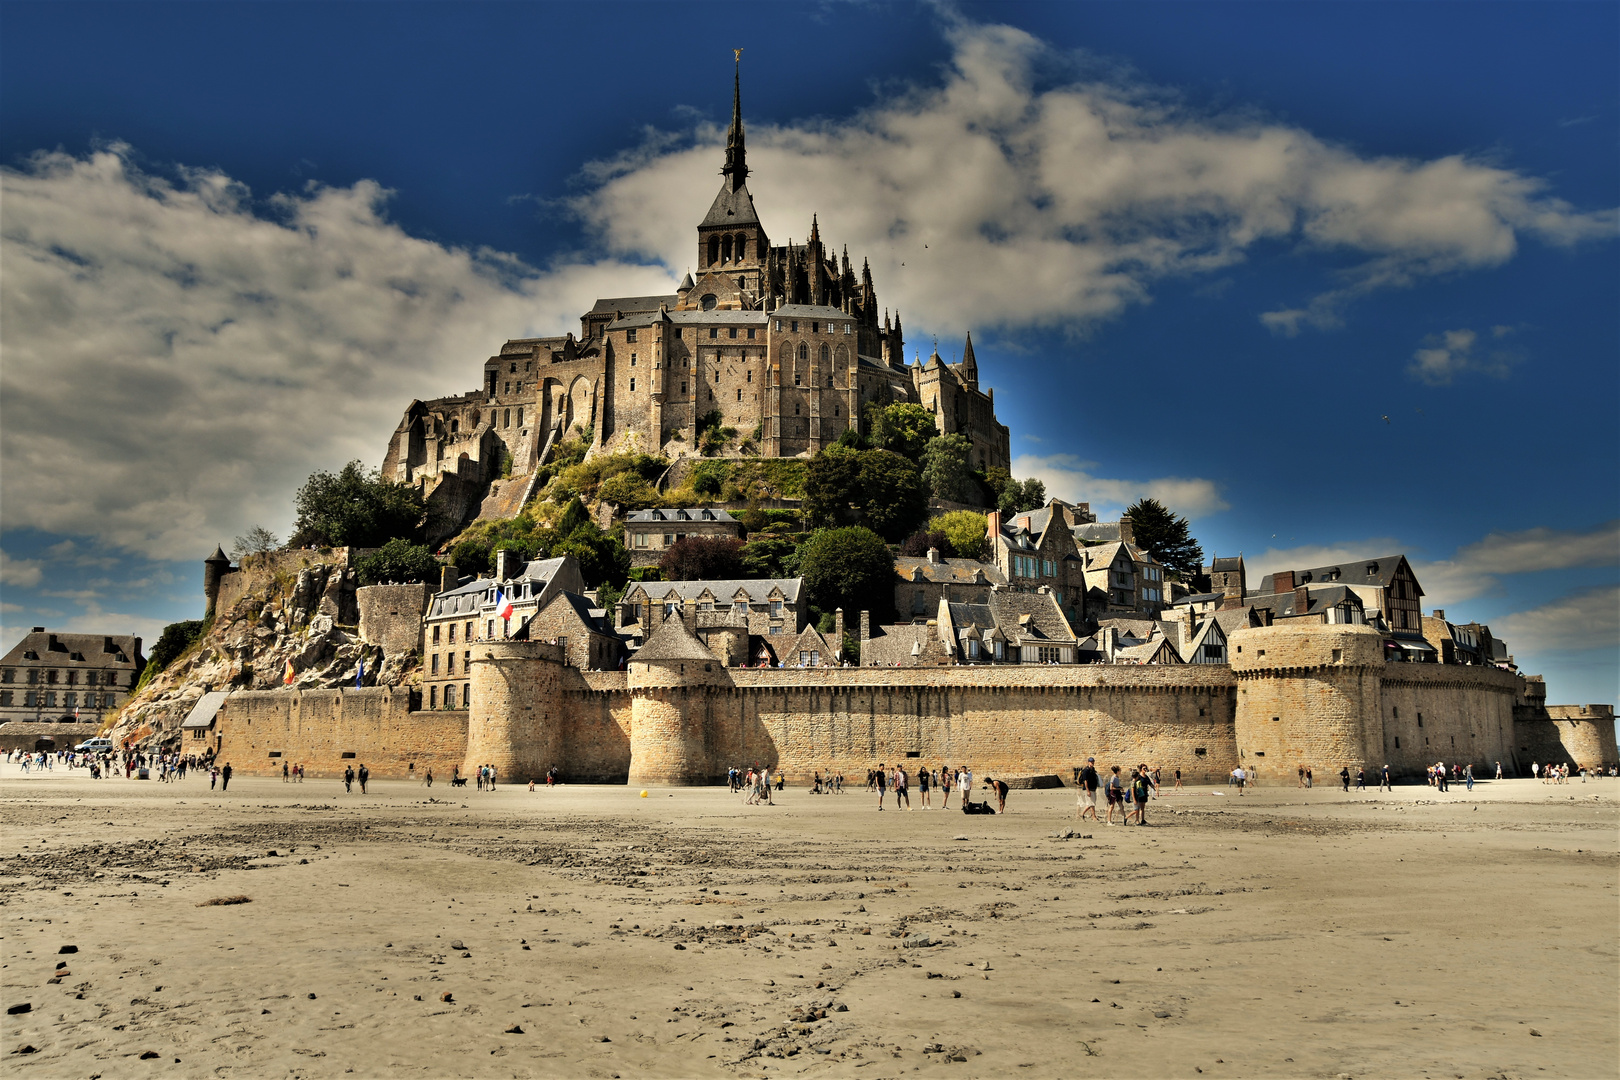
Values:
[(738, 54)]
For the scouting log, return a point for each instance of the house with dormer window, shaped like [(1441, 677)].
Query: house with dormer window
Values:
[(761, 613), (649, 533), (1036, 549)]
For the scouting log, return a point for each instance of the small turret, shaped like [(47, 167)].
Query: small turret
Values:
[(215, 567), (969, 366)]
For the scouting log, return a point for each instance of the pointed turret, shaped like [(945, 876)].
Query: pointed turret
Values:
[(736, 168), (969, 366)]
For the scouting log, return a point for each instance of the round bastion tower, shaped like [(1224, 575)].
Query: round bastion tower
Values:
[(1308, 696), (215, 567), (515, 709), (670, 681)]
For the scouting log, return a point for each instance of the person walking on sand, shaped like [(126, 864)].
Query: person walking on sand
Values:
[(902, 788), (1114, 792), (1499, 770), (1178, 781), (429, 776), (348, 779), (1468, 776), (881, 779), (1344, 778), (1087, 801), (946, 782), (922, 787), (1383, 779), (225, 777), (365, 774), (285, 773), (1302, 776), (1243, 778), (1361, 778), (1139, 791)]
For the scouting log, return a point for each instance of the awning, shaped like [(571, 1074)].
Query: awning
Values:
[(1412, 646)]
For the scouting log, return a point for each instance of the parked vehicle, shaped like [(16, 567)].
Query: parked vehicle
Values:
[(94, 746)]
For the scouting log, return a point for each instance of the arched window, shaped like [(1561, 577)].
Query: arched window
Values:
[(520, 416), (742, 248), (507, 418), (725, 249), (804, 351), (714, 250), (709, 301), (825, 352)]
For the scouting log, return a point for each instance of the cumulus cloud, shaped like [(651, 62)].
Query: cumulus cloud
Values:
[(1067, 477), (19, 573), (179, 358), (1475, 568), (1000, 198), (1589, 619), (1453, 353)]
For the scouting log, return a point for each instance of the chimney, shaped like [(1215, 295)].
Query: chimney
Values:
[(500, 563), (1110, 643), (1302, 600), (1127, 531), (1440, 613), (992, 525), (1230, 602), (1283, 582), (838, 628), (449, 577), (933, 556), (866, 630)]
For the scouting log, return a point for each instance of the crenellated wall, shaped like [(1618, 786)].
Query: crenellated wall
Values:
[(1573, 735), (1318, 696)]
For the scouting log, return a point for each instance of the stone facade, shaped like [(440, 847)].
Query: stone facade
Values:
[(1298, 695), (70, 680), (650, 533), (391, 616), (785, 343)]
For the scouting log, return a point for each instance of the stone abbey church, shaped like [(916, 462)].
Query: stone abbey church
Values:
[(786, 343)]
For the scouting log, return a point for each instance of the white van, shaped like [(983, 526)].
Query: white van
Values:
[(94, 746)]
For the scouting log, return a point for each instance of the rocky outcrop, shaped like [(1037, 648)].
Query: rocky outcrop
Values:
[(307, 617)]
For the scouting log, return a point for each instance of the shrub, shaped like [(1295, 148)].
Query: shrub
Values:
[(703, 558), (397, 560), (848, 568)]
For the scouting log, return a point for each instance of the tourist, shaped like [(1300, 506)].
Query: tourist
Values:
[(1243, 778), (1309, 780), (492, 778), (225, 777), (1178, 781), (1344, 778), (1535, 771), (901, 788), (946, 781), (1087, 801), (1361, 778), (1000, 788), (365, 774), (1115, 792), (286, 773), (1302, 776), (922, 787), (881, 779), (1139, 791), (348, 779), (964, 783), (428, 776), (1383, 780), (1499, 770), (1468, 776)]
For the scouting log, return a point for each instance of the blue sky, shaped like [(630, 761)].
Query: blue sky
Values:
[(1332, 279)]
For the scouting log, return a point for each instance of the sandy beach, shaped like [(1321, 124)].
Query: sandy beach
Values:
[(586, 931)]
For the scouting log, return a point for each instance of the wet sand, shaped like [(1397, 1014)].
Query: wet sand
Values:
[(586, 932)]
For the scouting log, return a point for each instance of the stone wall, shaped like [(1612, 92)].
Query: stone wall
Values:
[(391, 616), (328, 730), (1573, 735), (26, 734), (1451, 713)]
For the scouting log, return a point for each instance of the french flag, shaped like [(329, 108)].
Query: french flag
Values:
[(503, 606)]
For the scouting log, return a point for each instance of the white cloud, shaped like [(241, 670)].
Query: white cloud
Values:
[(995, 199), (187, 361), (1067, 477), (1445, 356), (19, 573), (1589, 619), (187, 355)]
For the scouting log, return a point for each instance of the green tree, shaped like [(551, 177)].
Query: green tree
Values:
[(966, 532), (894, 498), (258, 541), (356, 508), (770, 555), (904, 428), (702, 558), (628, 491), (1017, 497), (831, 485), (851, 569), (1159, 532), (947, 468), (176, 638), (398, 561)]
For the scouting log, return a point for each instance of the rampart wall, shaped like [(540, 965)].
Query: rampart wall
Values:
[(1318, 699), (391, 616), (329, 730)]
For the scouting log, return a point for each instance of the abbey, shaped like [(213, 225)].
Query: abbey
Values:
[(784, 343)]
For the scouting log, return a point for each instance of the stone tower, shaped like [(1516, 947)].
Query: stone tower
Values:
[(516, 709), (1309, 695), (215, 567), (670, 682)]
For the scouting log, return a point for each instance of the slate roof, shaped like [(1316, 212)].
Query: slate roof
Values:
[(810, 640), (1282, 605), (468, 596), (202, 714), (758, 589), (696, 513), (947, 571), (1097, 532), (671, 640), (732, 207), (98, 650), (1027, 617), (896, 643), (719, 316), (1226, 564), (1378, 572), (611, 304), (1234, 619), (811, 311)]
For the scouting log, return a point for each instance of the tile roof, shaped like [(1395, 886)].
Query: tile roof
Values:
[(948, 571), (633, 303), (758, 589), (101, 650), (811, 311), (696, 513), (1379, 572)]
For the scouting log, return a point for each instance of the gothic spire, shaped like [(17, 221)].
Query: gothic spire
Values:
[(736, 170)]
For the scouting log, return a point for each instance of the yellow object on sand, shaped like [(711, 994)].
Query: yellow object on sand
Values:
[(644, 793)]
